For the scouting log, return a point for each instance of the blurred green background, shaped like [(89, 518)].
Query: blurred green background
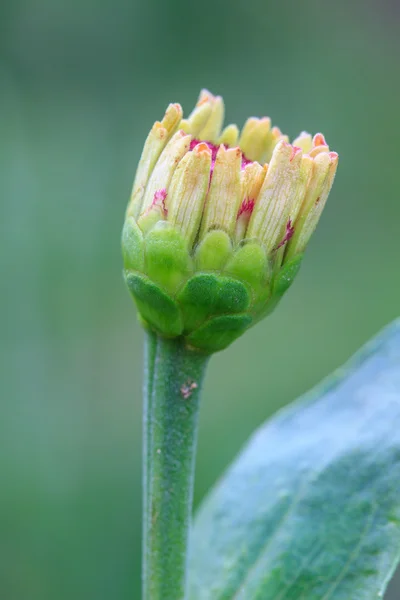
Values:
[(81, 83)]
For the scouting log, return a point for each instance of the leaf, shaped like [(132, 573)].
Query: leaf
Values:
[(310, 510)]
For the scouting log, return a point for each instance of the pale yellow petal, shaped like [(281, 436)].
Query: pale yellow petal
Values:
[(156, 141), (229, 136), (323, 174), (165, 166), (273, 208), (224, 196), (255, 138), (212, 129), (188, 190), (252, 178)]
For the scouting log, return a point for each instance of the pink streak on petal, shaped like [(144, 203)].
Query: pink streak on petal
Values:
[(247, 207), (295, 150), (159, 199), (289, 233)]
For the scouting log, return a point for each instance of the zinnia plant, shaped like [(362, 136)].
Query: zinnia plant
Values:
[(214, 235)]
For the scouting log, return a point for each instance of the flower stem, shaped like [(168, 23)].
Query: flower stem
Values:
[(150, 349), (173, 376)]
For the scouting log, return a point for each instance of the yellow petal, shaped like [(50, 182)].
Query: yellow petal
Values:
[(323, 174), (318, 145), (274, 137), (188, 190), (229, 136), (252, 178), (156, 141), (165, 166), (305, 173), (197, 119), (224, 196), (212, 129), (255, 138), (304, 141), (273, 208)]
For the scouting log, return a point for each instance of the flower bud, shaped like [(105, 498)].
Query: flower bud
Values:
[(218, 222)]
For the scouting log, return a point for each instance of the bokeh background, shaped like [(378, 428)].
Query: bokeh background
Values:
[(81, 82)]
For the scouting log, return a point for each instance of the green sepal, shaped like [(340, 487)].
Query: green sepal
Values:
[(132, 246), (197, 298), (219, 332), (213, 251), (249, 263), (168, 262), (150, 218), (285, 277), (155, 307), (233, 296), (207, 294)]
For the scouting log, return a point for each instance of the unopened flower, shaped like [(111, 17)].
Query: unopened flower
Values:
[(218, 221)]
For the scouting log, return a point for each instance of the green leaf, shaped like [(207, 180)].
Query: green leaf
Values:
[(311, 508)]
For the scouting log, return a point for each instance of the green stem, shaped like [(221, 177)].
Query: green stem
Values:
[(171, 433), (150, 349)]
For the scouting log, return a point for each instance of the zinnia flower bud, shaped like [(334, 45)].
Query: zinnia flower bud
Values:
[(218, 221)]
